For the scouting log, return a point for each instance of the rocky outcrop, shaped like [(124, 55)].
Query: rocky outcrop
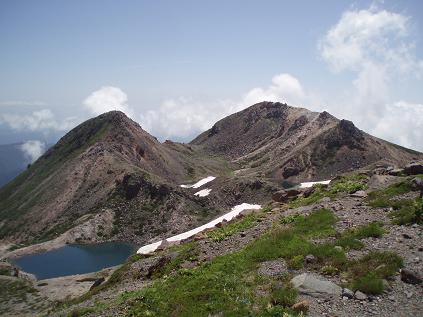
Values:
[(315, 286)]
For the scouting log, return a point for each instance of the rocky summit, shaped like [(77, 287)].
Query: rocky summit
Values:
[(273, 211)]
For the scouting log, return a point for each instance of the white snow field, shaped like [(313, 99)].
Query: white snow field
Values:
[(310, 184), (235, 211), (203, 192), (200, 182)]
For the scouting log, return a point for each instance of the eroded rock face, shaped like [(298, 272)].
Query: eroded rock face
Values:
[(315, 286), (414, 169)]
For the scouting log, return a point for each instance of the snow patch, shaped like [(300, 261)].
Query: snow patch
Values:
[(200, 182), (235, 211), (310, 184), (203, 192)]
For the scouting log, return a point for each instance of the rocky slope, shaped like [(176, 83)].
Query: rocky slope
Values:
[(280, 142), (342, 250)]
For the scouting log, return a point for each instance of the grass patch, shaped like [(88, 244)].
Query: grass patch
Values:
[(408, 213), (233, 228), (383, 198), (350, 239), (348, 184), (367, 273), (342, 185)]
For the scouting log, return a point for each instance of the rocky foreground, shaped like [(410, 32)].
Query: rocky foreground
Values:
[(350, 248)]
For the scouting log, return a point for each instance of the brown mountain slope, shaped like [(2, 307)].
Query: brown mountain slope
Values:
[(281, 142), (106, 163)]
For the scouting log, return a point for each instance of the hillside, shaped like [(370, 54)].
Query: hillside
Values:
[(109, 165), (280, 142)]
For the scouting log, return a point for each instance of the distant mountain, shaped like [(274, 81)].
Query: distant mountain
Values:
[(12, 162), (110, 165)]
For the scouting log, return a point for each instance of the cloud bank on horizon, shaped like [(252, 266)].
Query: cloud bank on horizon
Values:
[(373, 46)]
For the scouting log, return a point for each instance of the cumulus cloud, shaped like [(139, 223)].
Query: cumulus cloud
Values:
[(37, 121), (284, 88), (185, 117), (375, 45), (32, 150), (106, 99)]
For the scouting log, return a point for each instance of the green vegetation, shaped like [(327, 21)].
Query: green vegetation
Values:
[(342, 185), (367, 273), (233, 228), (5, 271), (410, 212), (384, 198), (348, 184), (405, 211), (350, 239), (228, 283), (284, 295)]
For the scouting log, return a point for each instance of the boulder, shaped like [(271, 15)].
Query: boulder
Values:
[(283, 196), (315, 286), (417, 184), (347, 293), (359, 194), (360, 295), (410, 277), (413, 169), (310, 259)]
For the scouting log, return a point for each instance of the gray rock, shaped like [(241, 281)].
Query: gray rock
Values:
[(283, 196), (359, 194), (310, 258), (347, 293), (413, 169), (309, 284), (410, 277), (360, 295)]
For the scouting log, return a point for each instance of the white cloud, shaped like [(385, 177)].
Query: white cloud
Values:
[(37, 121), (402, 123), (284, 88), (106, 99), (33, 150), (185, 117), (375, 46)]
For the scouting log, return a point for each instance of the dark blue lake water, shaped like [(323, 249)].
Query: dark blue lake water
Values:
[(75, 259)]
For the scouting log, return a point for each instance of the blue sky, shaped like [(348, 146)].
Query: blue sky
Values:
[(177, 66)]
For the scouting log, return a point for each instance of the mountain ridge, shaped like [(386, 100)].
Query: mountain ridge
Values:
[(111, 163)]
